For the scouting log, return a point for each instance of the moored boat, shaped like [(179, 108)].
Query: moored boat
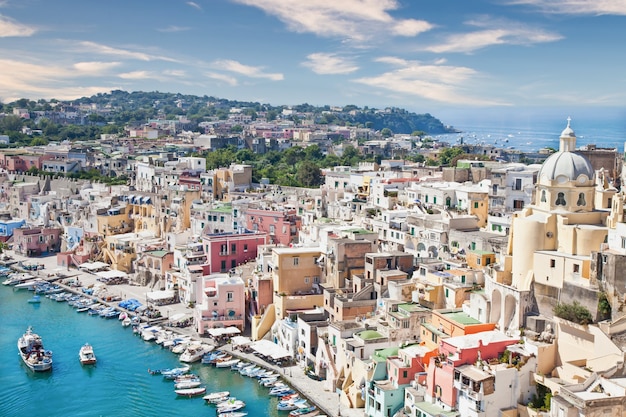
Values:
[(190, 392), (35, 299), (305, 412), (87, 355), (216, 397), (189, 383), (32, 352), (195, 351)]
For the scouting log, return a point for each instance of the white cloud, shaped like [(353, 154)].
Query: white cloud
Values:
[(137, 75), (353, 19), (174, 29), (93, 47), (20, 79), (325, 63), (247, 70), (494, 32), (175, 73), (440, 83), (11, 28), (578, 7), (232, 81), (94, 68), (194, 5)]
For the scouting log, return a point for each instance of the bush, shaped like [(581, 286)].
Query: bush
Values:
[(574, 312)]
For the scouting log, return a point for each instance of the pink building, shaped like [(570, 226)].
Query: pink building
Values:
[(282, 226), (220, 302), (226, 251), (36, 241), (458, 351)]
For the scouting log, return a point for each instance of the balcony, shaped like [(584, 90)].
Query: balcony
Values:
[(222, 318)]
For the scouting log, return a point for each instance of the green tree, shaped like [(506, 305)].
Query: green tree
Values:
[(574, 312), (447, 154), (11, 124), (386, 132), (308, 174)]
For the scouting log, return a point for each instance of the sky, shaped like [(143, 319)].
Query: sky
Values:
[(425, 56)]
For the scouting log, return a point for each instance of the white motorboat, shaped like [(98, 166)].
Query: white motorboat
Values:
[(190, 392), (195, 351), (216, 397), (33, 353), (87, 355), (189, 383), (226, 364)]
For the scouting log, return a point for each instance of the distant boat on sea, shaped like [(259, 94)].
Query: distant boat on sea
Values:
[(87, 355)]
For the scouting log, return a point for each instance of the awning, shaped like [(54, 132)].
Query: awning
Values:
[(240, 340), (267, 348), (160, 295), (216, 332), (92, 266), (112, 274)]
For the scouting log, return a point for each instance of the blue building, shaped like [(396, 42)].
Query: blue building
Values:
[(8, 226)]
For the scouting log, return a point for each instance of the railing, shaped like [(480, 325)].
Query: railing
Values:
[(222, 318)]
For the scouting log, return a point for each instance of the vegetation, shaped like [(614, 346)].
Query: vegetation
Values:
[(604, 307), (574, 312), (541, 400)]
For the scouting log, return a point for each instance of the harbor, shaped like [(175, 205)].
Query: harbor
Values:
[(75, 281)]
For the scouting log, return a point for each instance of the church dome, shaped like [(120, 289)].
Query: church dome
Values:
[(567, 165)]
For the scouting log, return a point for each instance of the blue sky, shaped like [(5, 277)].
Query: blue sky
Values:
[(425, 56)]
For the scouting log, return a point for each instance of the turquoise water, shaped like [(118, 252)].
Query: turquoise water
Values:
[(118, 385)]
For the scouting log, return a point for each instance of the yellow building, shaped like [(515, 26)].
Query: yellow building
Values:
[(296, 277), (548, 256)]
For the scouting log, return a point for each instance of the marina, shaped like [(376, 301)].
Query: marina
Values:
[(123, 359)]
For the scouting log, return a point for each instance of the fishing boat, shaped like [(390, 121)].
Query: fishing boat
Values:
[(190, 392), (35, 299), (305, 412), (32, 352), (216, 397), (87, 355), (189, 383)]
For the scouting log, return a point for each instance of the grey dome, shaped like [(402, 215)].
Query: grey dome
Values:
[(568, 164)]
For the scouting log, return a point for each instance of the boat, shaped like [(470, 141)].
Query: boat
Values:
[(30, 347), (233, 414), (230, 405), (170, 371), (226, 364), (216, 397), (87, 355), (35, 299), (291, 405), (305, 412), (29, 285), (126, 322), (195, 351), (189, 383), (190, 392)]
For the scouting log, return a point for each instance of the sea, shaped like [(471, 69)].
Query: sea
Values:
[(529, 130), (119, 385)]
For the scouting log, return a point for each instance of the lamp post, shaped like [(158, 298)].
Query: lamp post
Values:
[(339, 404)]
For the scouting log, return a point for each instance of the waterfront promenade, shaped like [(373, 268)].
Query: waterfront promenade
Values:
[(327, 402)]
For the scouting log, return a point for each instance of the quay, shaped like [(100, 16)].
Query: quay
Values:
[(327, 402)]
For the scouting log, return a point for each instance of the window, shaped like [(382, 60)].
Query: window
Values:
[(233, 263), (223, 249), (623, 242), (233, 248), (307, 280), (245, 247), (560, 199), (576, 268), (476, 204), (581, 200), (229, 296), (518, 184), (477, 261), (223, 266), (552, 263), (447, 292), (296, 261), (543, 196)]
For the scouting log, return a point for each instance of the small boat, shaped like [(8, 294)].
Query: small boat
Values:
[(195, 351), (291, 405), (233, 414), (87, 355), (32, 352), (35, 299), (186, 377), (226, 364), (190, 383), (126, 322), (281, 392), (216, 397), (230, 405), (305, 412), (170, 371), (190, 392)]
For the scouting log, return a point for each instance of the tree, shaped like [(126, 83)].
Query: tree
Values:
[(386, 132), (308, 174), (447, 154), (11, 124), (574, 312)]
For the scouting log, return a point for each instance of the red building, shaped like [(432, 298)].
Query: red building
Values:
[(282, 226), (226, 251), (36, 241)]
